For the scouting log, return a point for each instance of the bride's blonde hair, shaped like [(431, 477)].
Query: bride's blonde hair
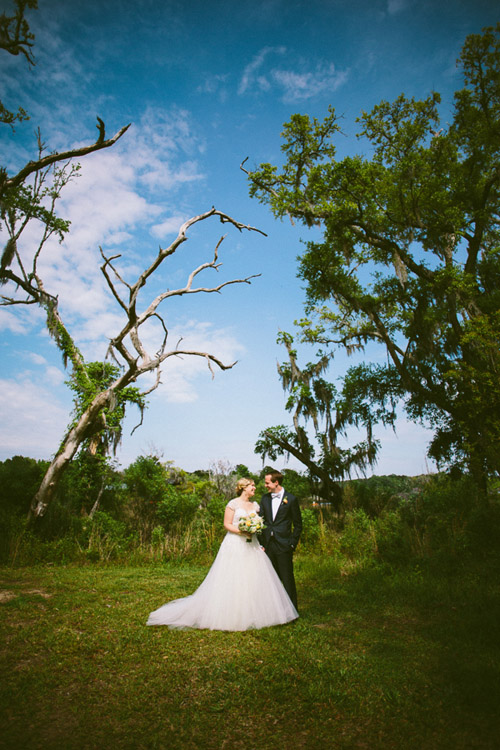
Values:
[(242, 483)]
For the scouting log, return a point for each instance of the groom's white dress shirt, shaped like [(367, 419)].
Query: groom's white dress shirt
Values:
[(276, 502)]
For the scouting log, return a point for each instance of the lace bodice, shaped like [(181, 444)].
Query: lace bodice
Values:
[(240, 512)]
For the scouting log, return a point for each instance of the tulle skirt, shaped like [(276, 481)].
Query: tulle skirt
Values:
[(241, 591)]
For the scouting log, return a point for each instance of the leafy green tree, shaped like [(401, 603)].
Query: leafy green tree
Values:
[(297, 483), (145, 482), (177, 508), (409, 257), (156, 492), (241, 470), (19, 479), (91, 483)]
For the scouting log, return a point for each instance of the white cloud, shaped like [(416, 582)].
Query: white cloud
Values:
[(168, 227), (404, 451), (52, 375), (58, 69), (32, 421), (214, 85), (295, 83), (396, 6), (37, 358), (180, 373), (162, 148), (12, 322), (94, 332), (250, 76), (306, 85)]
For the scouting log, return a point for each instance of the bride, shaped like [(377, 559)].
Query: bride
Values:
[(241, 590)]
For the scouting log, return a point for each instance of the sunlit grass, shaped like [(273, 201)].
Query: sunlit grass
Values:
[(378, 659)]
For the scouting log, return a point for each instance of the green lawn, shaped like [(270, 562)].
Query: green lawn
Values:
[(378, 659)]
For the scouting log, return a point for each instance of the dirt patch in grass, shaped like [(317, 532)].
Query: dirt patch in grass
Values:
[(6, 595)]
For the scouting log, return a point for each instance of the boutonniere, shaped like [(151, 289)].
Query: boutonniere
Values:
[(285, 501)]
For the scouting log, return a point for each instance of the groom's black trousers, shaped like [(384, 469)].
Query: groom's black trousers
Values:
[(283, 565)]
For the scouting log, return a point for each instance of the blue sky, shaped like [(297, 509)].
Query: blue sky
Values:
[(204, 85)]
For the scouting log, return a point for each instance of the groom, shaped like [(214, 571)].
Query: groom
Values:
[(281, 513)]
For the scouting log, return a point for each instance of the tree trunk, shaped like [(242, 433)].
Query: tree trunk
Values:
[(86, 425), (331, 488), (479, 474), (98, 499)]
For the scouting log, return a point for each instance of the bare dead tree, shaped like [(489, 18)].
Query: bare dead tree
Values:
[(8, 185), (222, 476), (135, 319), (30, 195), (127, 348)]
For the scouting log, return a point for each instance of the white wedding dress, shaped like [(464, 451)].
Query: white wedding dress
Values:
[(241, 591)]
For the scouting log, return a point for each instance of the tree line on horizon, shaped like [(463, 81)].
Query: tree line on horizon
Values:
[(153, 510)]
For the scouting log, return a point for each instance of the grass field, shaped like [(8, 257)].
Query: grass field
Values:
[(379, 659)]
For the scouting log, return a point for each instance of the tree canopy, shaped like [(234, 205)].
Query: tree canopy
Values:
[(409, 257)]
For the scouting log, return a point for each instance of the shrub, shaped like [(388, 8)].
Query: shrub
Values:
[(438, 517), (176, 508), (393, 538), (358, 539), (104, 538), (214, 509), (310, 527)]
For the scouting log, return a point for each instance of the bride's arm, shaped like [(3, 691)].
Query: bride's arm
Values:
[(228, 521)]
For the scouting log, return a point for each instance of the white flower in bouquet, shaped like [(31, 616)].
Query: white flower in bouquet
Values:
[(251, 524)]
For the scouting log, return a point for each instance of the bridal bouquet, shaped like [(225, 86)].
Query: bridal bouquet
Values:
[(251, 524)]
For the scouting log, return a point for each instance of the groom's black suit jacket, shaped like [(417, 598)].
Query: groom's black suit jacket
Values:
[(286, 527)]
